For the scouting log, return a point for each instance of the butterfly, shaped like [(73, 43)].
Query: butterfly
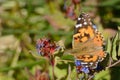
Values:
[(87, 45)]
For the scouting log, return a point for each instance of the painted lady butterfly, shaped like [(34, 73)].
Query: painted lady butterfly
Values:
[(87, 44)]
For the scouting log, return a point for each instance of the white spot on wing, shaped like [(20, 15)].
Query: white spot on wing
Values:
[(91, 63), (85, 23), (79, 18), (78, 25), (84, 63)]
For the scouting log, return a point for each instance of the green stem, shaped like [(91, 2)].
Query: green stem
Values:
[(53, 74)]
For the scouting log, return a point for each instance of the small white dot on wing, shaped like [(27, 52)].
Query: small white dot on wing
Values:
[(78, 25), (84, 63), (85, 23), (91, 63), (79, 18)]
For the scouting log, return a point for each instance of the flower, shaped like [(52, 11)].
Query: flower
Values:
[(45, 47)]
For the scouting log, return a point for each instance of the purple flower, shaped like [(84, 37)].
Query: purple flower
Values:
[(45, 47)]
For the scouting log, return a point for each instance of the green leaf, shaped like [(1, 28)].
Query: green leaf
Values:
[(114, 46), (108, 46), (103, 75), (118, 43), (68, 57), (23, 65), (60, 73), (109, 2)]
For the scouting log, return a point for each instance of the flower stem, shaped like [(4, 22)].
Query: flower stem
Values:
[(113, 64), (52, 64), (53, 74)]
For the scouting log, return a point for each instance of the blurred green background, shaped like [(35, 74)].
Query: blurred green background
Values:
[(22, 22)]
